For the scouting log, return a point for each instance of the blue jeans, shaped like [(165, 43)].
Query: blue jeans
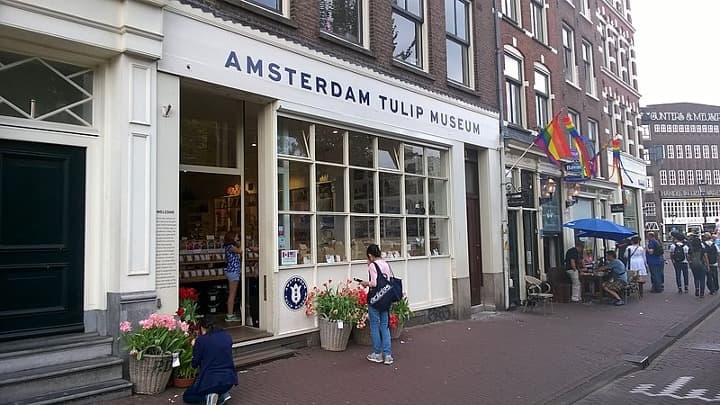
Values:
[(379, 330), (681, 269), (712, 279), (657, 278), (699, 273), (193, 395)]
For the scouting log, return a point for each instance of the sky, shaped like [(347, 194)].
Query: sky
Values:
[(677, 44)]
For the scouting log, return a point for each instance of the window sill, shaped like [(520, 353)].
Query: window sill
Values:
[(516, 24), (541, 43), (264, 12), (339, 41), (575, 85), (412, 69), (459, 86), (592, 96)]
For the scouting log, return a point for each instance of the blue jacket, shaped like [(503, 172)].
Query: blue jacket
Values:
[(213, 354), (654, 259)]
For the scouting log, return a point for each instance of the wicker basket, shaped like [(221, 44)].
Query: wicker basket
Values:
[(362, 336), (333, 338), (151, 374)]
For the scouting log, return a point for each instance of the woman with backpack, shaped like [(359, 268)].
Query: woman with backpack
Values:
[(379, 320), (698, 265), (711, 256), (679, 256), (656, 262), (635, 258)]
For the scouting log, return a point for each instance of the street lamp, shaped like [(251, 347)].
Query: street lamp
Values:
[(701, 183)]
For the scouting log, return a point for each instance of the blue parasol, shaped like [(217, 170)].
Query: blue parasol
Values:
[(600, 228)]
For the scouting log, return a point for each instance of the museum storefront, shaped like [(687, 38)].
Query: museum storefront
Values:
[(309, 160)]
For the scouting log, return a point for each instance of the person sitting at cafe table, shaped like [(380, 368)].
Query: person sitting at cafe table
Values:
[(573, 266), (618, 277)]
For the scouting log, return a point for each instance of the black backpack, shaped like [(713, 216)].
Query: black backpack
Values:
[(711, 252), (678, 254)]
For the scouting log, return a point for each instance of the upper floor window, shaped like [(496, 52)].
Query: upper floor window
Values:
[(568, 40), (513, 89), (681, 177), (663, 177), (511, 9), (407, 31), (342, 18), (688, 151), (690, 177), (679, 151), (671, 177), (539, 20), (588, 68), (584, 7), (43, 90), (670, 152), (542, 99), (696, 149), (649, 209), (706, 151), (714, 151), (457, 40), (274, 5)]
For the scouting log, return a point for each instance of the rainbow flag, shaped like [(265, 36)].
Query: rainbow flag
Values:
[(584, 147), (552, 141)]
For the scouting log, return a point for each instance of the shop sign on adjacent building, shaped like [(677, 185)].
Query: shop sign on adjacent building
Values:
[(551, 217), (617, 208)]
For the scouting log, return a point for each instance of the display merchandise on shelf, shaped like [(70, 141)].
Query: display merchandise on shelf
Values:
[(228, 213), (201, 261)]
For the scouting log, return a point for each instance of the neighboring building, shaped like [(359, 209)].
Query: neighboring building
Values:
[(681, 142), (131, 145), (554, 60)]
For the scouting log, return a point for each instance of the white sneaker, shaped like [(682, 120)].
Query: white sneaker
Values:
[(224, 398), (375, 357), (211, 399), (388, 360)]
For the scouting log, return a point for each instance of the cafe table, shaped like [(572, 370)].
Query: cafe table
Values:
[(591, 280)]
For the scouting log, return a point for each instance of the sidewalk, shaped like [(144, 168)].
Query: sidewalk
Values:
[(507, 357)]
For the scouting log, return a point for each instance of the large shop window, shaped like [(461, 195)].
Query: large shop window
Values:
[(339, 191)]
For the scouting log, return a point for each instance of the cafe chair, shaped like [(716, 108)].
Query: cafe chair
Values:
[(538, 291), (633, 287)]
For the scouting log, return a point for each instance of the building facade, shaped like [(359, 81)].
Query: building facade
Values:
[(681, 141), (158, 129)]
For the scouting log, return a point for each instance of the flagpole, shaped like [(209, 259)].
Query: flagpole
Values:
[(520, 158)]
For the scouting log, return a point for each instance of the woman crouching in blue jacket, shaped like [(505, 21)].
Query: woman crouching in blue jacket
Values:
[(212, 353)]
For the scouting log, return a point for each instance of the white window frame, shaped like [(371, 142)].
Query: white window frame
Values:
[(511, 9), (706, 151), (589, 67), (510, 80), (283, 11), (688, 151), (716, 177), (671, 177), (670, 151), (679, 151), (421, 33), (649, 209), (690, 178), (708, 177), (650, 184), (364, 26), (699, 176), (681, 177), (713, 151), (538, 20), (568, 49), (466, 44), (542, 98), (663, 177), (696, 149)]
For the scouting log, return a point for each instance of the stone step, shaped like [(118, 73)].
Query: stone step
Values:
[(36, 382), (254, 357), (40, 352), (85, 394)]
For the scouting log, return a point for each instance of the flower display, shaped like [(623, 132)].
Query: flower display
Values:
[(188, 305), (401, 311), (158, 334), (336, 303)]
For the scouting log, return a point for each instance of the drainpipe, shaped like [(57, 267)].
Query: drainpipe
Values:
[(503, 200)]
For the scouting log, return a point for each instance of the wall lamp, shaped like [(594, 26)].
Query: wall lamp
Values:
[(573, 192), (548, 189)]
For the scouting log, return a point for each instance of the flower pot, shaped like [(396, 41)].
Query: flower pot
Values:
[(333, 338), (362, 336), (183, 382), (151, 374), (396, 332)]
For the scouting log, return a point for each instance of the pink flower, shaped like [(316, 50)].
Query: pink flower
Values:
[(125, 327), (184, 326)]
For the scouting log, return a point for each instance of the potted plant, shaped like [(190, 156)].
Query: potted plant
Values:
[(151, 348), (337, 310), (361, 331), (399, 313), (185, 373), (188, 308)]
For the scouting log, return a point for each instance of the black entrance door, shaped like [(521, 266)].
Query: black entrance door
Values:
[(42, 216)]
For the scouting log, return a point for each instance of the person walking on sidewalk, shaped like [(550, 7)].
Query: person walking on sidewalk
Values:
[(379, 320), (635, 258), (698, 265), (212, 353), (711, 256), (679, 256), (656, 262), (618, 277), (573, 265)]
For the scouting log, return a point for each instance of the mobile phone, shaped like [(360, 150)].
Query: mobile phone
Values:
[(358, 280)]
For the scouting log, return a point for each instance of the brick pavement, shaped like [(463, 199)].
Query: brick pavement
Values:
[(508, 357)]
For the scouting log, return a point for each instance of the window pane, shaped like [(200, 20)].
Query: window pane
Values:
[(416, 236), (455, 61), (341, 18), (331, 238), (541, 82), (406, 42), (294, 234), (461, 20), (414, 6), (512, 68), (414, 195), (450, 16), (388, 154), (292, 137), (437, 197), (207, 142), (439, 237), (293, 186), (413, 159), (330, 183), (435, 162), (270, 4), (362, 232), (361, 150), (391, 237), (362, 191), (389, 193), (328, 144)]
